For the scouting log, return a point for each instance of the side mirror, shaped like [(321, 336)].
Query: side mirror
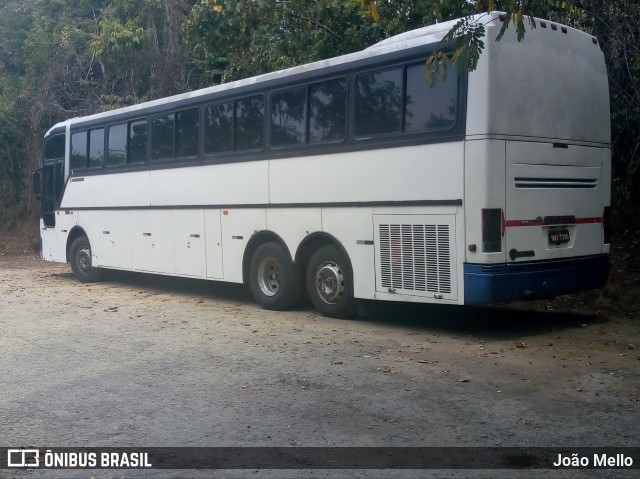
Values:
[(36, 182)]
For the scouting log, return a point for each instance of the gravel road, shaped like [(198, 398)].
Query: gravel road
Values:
[(142, 360)]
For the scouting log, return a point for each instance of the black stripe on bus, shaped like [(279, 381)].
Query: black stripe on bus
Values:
[(343, 204)]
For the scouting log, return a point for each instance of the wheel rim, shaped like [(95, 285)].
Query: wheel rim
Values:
[(83, 260), (330, 282), (269, 276)]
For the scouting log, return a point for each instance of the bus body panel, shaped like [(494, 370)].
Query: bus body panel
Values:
[(153, 241), (111, 241), (189, 240), (555, 87), (237, 227), (484, 166), (50, 241), (372, 176), (353, 228), (544, 199), (116, 190), (293, 226), (213, 243), (243, 183)]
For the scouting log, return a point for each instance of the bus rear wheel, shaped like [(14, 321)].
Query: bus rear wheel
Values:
[(274, 280), (330, 283), (81, 261)]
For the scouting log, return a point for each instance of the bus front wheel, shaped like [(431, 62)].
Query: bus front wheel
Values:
[(274, 280), (330, 283), (81, 261)]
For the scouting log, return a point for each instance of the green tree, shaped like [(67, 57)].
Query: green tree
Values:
[(64, 58)]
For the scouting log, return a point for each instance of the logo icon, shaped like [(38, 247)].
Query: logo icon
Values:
[(23, 458)]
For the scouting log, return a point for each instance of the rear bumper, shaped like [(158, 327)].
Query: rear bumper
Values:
[(505, 282)]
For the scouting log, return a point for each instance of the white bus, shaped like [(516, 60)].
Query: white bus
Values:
[(351, 178)]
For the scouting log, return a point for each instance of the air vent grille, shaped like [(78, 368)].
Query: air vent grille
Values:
[(554, 183), (415, 257)]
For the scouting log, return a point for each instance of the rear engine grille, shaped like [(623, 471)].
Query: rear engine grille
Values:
[(553, 183), (415, 257)]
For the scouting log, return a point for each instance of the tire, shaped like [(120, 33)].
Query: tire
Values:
[(274, 280), (80, 258), (330, 283)]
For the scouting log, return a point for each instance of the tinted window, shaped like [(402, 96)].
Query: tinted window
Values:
[(249, 123), (54, 147), (117, 145), (288, 122), (162, 129), (328, 111), (378, 102), (138, 136), (218, 128), (96, 148), (187, 132), (430, 108), (79, 150)]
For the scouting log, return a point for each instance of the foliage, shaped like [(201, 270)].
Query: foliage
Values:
[(63, 58), (615, 23)]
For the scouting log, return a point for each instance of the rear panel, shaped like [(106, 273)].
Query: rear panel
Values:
[(555, 198), (537, 166)]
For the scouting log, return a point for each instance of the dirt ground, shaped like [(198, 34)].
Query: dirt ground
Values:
[(144, 360)]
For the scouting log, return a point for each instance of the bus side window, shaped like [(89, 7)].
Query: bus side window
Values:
[(162, 136), (378, 102), (117, 152), (79, 145), (138, 135), (187, 132), (218, 128), (249, 123), (96, 148), (430, 108), (54, 147), (288, 117), (328, 111)]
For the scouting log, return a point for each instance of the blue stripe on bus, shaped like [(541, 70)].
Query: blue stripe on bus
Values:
[(505, 282)]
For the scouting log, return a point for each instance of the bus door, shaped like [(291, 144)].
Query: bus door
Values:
[(51, 178)]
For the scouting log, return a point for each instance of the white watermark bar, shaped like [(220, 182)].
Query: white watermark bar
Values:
[(619, 458)]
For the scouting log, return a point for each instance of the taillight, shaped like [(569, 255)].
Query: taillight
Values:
[(606, 224), (491, 230)]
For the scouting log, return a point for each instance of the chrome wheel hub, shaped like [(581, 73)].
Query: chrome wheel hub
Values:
[(269, 276), (83, 260), (330, 282)]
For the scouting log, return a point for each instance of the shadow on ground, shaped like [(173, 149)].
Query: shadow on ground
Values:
[(498, 322)]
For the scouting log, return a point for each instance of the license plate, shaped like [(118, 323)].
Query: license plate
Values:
[(559, 236)]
